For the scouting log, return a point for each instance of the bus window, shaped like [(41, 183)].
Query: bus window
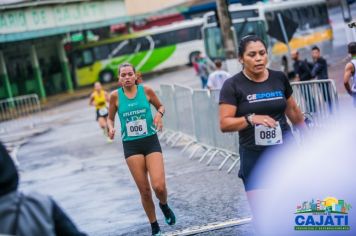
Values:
[(121, 48), (304, 14), (181, 35), (288, 14), (195, 33), (161, 40), (88, 58), (144, 43), (78, 62), (102, 52), (250, 27), (323, 12), (83, 58), (213, 44), (296, 18), (311, 16)]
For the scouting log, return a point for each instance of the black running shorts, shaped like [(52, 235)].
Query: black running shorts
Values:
[(142, 146)]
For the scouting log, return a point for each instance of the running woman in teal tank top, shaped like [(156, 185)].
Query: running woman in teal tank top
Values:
[(142, 149), (135, 115)]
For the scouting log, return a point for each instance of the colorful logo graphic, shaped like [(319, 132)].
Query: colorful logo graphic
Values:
[(327, 214)]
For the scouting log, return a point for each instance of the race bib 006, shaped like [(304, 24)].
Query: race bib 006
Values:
[(266, 136), (136, 128)]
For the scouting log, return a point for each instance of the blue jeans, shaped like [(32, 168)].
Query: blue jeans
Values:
[(204, 81)]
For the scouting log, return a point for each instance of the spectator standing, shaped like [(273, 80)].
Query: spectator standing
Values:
[(320, 72), (218, 77), (203, 70)]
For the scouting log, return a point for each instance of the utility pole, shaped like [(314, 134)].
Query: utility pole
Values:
[(225, 26)]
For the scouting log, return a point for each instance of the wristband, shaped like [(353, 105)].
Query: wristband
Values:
[(161, 113), (247, 120)]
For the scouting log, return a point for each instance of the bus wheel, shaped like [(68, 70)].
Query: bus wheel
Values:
[(192, 57), (106, 76), (284, 64)]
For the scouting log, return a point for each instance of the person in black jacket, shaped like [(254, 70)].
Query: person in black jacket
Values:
[(28, 214), (301, 68), (320, 72), (302, 71), (320, 66)]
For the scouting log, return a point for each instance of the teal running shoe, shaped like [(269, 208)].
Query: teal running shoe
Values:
[(168, 214), (157, 234)]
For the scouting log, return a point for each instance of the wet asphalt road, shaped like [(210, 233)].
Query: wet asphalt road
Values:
[(89, 178)]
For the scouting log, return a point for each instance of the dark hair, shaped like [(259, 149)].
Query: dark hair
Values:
[(316, 48), (352, 48), (246, 40), (218, 63), (126, 64)]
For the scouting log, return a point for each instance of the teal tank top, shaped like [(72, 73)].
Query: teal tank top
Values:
[(135, 115)]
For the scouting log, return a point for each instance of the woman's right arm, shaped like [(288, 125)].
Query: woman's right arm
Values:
[(113, 105), (228, 121), (347, 75)]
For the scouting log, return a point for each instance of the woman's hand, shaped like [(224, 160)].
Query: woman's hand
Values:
[(264, 120), (111, 133), (158, 122)]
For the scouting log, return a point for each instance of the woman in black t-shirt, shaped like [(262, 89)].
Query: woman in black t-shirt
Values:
[(255, 102)]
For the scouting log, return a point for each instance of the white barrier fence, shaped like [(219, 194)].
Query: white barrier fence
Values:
[(317, 98), (17, 112), (192, 118)]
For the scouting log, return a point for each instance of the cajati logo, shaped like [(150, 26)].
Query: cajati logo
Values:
[(328, 214)]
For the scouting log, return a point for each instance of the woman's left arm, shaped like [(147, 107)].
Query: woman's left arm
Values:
[(153, 99), (293, 113)]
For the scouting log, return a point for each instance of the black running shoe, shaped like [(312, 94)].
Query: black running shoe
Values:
[(168, 214), (156, 231)]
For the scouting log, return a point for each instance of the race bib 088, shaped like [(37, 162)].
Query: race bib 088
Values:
[(266, 136), (136, 128)]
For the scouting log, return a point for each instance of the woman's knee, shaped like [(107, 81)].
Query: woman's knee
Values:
[(146, 193), (159, 188)]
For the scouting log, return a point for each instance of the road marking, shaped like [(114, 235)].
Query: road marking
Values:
[(210, 227)]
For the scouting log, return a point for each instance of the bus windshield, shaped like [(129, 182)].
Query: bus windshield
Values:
[(213, 39)]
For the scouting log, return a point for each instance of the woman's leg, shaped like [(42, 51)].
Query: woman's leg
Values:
[(155, 167), (102, 122), (137, 166)]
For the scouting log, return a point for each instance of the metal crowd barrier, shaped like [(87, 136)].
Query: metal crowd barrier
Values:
[(226, 142), (177, 130), (193, 119), (317, 98), (12, 110), (184, 107)]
